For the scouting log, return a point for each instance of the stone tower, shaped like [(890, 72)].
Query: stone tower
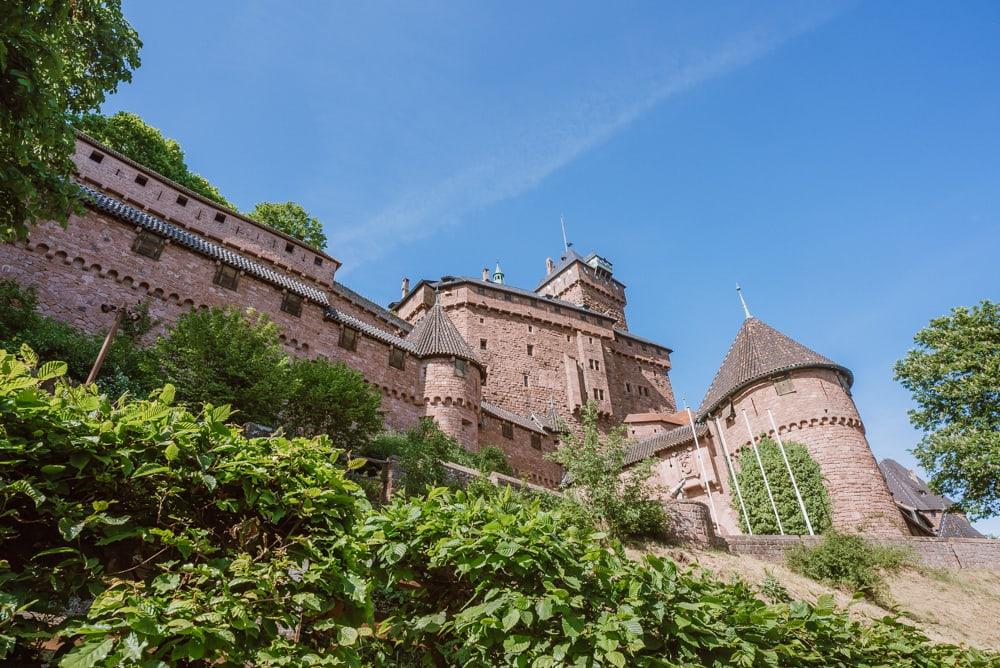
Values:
[(451, 376), (809, 397), (587, 281)]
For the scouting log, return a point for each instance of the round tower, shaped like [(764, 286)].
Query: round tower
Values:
[(766, 376), (451, 376)]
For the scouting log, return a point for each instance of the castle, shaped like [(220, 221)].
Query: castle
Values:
[(491, 363)]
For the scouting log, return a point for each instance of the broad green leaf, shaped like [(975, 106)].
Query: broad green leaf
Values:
[(88, 654)]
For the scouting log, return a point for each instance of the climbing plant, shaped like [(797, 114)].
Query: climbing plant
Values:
[(807, 475)]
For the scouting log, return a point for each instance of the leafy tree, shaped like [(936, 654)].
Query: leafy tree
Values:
[(329, 398), (128, 134), (292, 219), (58, 58), (225, 356), (810, 481), (627, 502), (421, 451), (954, 375), (491, 458)]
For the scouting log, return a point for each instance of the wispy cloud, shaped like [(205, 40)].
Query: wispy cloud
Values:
[(544, 145)]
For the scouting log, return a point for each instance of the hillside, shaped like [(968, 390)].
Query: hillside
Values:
[(958, 607)]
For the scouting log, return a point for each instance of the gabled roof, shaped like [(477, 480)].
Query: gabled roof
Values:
[(665, 440), (760, 351), (910, 489), (436, 335), (566, 260), (370, 330), (509, 416)]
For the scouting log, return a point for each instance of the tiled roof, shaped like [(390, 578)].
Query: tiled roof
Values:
[(566, 260), (549, 420), (380, 311), (505, 414), (651, 445), (629, 335), (909, 489), (757, 352), (180, 236), (435, 334), (955, 525), (369, 330)]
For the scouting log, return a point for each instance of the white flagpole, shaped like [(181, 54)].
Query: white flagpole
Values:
[(704, 473), (767, 485), (732, 475), (781, 446)]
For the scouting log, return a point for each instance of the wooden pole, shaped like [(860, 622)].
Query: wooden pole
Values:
[(106, 345)]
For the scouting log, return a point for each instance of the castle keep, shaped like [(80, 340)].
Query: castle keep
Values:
[(491, 363)]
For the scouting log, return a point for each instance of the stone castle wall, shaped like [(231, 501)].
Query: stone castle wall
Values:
[(453, 400), (578, 284), (525, 450)]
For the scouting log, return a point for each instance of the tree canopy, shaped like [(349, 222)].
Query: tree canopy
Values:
[(954, 375), (131, 136), (291, 219), (58, 59)]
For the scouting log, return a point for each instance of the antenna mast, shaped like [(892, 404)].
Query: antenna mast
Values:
[(562, 223), (746, 311)]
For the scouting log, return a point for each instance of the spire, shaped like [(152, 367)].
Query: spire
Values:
[(435, 335), (746, 311), (498, 274), (760, 351)]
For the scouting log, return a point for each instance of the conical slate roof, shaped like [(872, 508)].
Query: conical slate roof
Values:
[(435, 335), (760, 351)]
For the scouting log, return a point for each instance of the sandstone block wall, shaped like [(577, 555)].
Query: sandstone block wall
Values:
[(453, 401), (527, 461)]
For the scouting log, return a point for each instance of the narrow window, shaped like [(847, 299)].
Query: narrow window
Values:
[(595, 393), (148, 244), (289, 247), (220, 217), (482, 344), (397, 358), (783, 385), (292, 304), (536, 441), (530, 329), (590, 363), (141, 179), (531, 350), (97, 156), (597, 365), (569, 337), (508, 430), (628, 388), (226, 276), (524, 379), (461, 366), (590, 339), (182, 200), (348, 338), (318, 261), (601, 392), (481, 321)]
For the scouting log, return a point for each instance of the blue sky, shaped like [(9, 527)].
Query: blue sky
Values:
[(840, 160)]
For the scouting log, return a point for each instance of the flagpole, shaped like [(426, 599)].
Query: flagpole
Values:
[(704, 473), (781, 447), (767, 485), (732, 475)]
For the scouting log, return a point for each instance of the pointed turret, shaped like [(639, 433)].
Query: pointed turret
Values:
[(435, 335), (498, 274)]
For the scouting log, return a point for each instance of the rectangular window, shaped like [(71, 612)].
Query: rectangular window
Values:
[(292, 304), (348, 339), (397, 359), (600, 395), (530, 329), (597, 365), (226, 276), (182, 200), (536, 441), (97, 156), (289, 248), (507, 297), (783, 385), (461, 367), (531, 350), (595, 394), (628, 387), (480, 290), (141, 179), (220, 217), (508, 430), (524, 378), (590, 363), (148, 244), (318, 261), (482, 344)]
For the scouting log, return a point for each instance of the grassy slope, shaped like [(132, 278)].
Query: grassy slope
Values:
[(958, 607)]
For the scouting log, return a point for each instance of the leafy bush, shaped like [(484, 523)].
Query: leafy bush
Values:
[(849, 562), (807, 475), (501, 581), (137, 532), (323, 397), (292, 219), (491, 458), (627, 502)]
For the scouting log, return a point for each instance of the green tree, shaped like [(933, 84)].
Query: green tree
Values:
[(226, 356), (292, 219), (954, 375), (422, 451), (627, 502), (128, 134), (329, 398), (808, 477), (58, 58)]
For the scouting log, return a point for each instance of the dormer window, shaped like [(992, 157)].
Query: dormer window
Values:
[(220, 217), (292, 304), (507, 429), (226, 276), (461, 368), (783, 385), (97, 156), (182, 200), (536, 441), (148, 244), (141, 179), (397, 359)]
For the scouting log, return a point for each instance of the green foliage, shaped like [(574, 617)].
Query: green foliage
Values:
[(57, 59), (139, 533), (849, 562), (330, 398), (954, 375), (131, 136), (292, 219), (491, 458), (626, 503), (807, 475), (502, 581), (225, 356), (21, 324)]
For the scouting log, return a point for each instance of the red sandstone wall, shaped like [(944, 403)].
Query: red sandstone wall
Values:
[(527, 462), (578, 285), (453, 401)]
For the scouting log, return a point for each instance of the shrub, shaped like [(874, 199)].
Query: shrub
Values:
[(625, 501), (491, 458), (807, 475), (848, 561), (137, 532), (329, 398)]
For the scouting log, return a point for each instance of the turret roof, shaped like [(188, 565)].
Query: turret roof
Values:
[(436, 335), (760, 351)]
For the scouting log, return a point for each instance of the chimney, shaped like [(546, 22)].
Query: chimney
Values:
[(549, 266), (405, 287), (486, 274)]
